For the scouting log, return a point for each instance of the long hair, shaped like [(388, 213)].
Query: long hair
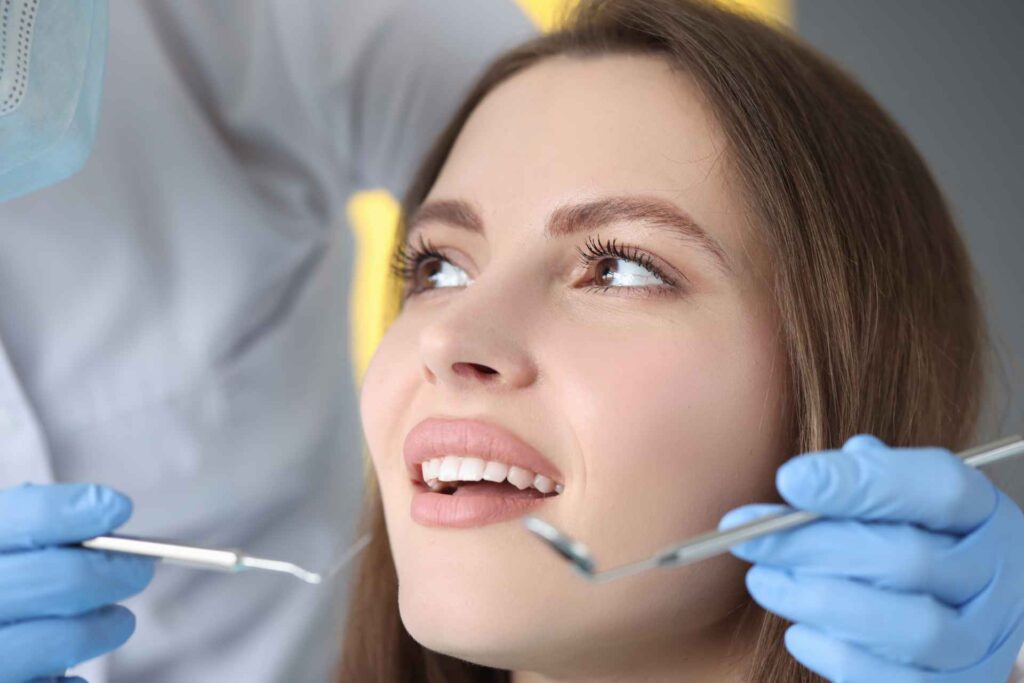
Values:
[(879, 317)]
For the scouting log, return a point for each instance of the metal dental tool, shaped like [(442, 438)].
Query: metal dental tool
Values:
[(715, 543), (217, 559)]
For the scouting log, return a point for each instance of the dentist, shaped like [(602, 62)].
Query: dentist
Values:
[(173, 315)]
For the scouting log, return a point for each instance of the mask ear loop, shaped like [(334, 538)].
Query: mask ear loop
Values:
[(17, 23), (51, 80)]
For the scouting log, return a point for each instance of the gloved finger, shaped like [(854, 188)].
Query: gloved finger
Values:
[(999, 607), (48, 647), (889, 555), (60, 582), (904, 628), (866, 480), (53, 514), (838, 660)]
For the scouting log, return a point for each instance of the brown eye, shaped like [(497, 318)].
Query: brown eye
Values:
[(611, 271), (426, 270), (610, 265), (604, 271), (438, 273)]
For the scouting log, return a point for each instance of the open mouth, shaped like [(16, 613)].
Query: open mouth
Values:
[(468, 476)]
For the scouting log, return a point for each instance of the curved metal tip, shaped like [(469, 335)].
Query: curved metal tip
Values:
[(307, 576), (572, 550), (278, 566)]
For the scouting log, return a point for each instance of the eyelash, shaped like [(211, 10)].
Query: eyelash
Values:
[(595, 249), (409, 257)]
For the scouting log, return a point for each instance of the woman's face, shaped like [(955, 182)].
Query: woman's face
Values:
[(593, 294)]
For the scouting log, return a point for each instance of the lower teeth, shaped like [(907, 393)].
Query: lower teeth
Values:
[(451, 488), (511, 492)]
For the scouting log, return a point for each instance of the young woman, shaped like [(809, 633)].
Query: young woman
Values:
[(654, 256)]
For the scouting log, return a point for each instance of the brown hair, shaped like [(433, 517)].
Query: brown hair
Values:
[(879, 317)]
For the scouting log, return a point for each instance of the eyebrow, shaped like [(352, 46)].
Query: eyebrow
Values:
[(585, 217)]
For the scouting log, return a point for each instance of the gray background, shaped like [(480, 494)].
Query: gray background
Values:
[(950, 71)]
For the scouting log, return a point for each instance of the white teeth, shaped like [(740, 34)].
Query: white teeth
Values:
[(434, 468), (450, 468), (454, 468), (431, 468), (471, 469), (519, 477), (495, 471)]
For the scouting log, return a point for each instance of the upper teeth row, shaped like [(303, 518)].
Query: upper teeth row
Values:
[(459, 468)]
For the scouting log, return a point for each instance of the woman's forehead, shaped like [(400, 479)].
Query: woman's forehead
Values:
[(568, 130)]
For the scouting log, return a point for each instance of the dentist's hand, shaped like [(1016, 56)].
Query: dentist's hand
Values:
[(916, 575), (56, 602)]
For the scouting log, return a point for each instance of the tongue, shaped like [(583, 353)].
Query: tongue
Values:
[(490, 488)]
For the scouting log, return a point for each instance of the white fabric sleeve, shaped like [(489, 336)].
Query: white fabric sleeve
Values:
[(412, 75), (317, 97)]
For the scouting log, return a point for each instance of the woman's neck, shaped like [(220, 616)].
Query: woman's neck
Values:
[(718, 655)]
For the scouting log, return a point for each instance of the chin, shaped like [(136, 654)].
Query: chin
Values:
[(492, 629)]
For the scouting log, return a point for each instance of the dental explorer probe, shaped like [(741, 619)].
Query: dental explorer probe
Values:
[(218, 559), (715, 543)]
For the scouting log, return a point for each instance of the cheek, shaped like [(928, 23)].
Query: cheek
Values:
[(667, 425), (675, 427), (388, 386)]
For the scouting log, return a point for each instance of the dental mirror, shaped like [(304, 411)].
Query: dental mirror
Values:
[(715, 543)]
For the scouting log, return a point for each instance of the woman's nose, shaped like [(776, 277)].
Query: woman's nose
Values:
[(469, 350)]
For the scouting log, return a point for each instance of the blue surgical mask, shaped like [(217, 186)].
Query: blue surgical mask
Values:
[(52, 54)]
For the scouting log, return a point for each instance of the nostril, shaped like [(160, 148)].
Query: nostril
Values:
[(473, 370)]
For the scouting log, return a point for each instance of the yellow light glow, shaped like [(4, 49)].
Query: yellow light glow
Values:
[(373, 216)]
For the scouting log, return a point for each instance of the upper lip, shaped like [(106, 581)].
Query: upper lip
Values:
[(436, 437)]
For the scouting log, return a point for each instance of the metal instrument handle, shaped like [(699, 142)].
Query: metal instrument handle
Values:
[(175, 553), (716, 542)]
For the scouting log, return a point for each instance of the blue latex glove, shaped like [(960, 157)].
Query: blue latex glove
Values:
[(56, 602), (916, 575)]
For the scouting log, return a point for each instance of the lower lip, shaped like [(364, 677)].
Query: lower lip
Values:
[(462, 512)]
